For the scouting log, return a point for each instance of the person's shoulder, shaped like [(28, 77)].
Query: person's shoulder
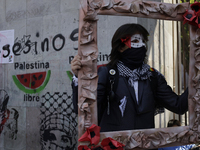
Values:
[(102, 68), (103, 74), (156, 73), (107, 70), (106, 67), (103, 71)]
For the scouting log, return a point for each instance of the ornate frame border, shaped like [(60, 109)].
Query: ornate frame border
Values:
[(87, 109)]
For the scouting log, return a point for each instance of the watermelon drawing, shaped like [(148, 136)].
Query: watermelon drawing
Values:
[(32, 82)]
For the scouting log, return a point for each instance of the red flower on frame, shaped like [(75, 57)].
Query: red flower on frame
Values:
[(195, 6), (92, 135), (127, 41), (189, 16), (83, 147), (193, 16), (197, 20), (110, 144)]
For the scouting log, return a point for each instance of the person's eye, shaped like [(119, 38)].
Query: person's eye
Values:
[(65, 139), (135, 41)]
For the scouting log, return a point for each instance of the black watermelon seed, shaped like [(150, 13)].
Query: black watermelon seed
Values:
[(40, 77), (33, 83), (34, 77), (25, 80)]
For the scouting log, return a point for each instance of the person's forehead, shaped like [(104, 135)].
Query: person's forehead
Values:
[(136, 36)]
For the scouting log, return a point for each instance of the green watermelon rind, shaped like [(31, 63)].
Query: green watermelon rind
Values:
[(31, 91)]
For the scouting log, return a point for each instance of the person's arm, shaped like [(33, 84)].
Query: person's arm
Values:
[(170, 100), (102, 91), (75, 66)]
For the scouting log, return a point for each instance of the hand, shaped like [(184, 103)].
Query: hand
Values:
[(76, 65)]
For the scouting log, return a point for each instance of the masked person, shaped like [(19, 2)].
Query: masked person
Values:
[(129, 101)]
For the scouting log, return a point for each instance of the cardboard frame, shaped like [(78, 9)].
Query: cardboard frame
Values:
[(88, 50)]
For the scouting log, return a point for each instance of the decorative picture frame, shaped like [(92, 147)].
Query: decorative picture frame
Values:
[(88, 78)]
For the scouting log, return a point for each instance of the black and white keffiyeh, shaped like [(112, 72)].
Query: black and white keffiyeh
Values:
[(141, 73)]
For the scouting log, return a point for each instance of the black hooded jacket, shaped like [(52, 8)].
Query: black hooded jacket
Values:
[(137, 114)]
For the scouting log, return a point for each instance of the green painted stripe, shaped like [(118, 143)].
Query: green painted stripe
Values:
[(70, 75)]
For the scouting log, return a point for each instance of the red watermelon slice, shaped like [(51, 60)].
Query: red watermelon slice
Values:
[(32, 82)]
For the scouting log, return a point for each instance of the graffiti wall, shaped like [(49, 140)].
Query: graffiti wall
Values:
[(38, 40)]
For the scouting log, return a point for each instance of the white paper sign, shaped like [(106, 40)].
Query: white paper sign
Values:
[(6, 44)]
